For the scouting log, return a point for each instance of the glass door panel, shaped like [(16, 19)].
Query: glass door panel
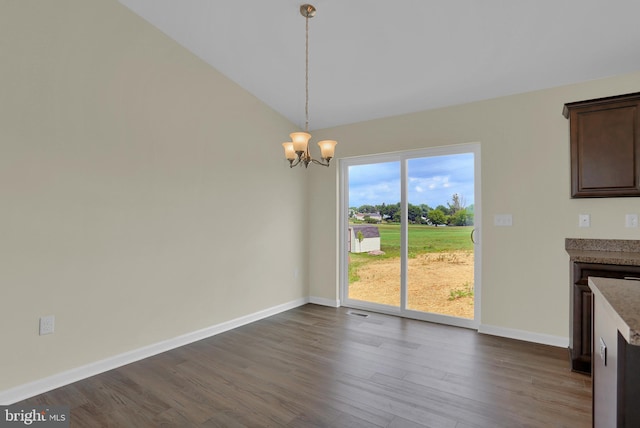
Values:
[(440, 253), (373, 235)]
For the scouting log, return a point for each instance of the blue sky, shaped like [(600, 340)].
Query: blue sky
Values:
[(432, 181)]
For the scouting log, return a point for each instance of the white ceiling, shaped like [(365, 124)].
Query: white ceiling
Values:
[(377, 58)]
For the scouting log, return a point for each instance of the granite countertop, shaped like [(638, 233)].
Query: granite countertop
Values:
[(605, 257), (604, 251), (622, 298)]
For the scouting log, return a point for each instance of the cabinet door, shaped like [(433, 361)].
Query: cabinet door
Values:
[(581, 328), (605, 368), (605, 151)]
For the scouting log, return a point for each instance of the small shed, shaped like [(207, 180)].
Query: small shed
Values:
[(370, 238)]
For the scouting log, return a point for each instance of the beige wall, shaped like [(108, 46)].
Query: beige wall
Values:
[(141, 191), (525, 171)]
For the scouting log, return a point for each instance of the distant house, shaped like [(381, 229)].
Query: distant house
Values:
[(361, 216), (375, 216), (370, 238)]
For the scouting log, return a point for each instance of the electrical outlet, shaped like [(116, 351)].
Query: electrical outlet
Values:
[(631, 220), (584, 220), (603, 352), (47, 325)]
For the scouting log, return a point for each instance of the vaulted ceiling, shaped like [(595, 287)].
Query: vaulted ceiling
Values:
[(377, 58)]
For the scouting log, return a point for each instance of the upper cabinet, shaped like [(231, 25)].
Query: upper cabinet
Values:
[(605, 146)]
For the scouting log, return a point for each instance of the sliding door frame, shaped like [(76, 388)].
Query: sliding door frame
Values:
[(343, 206)]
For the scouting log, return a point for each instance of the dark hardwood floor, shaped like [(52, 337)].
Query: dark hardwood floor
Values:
[(317, 366)]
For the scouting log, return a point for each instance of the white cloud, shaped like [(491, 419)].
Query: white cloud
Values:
[(431, 181)]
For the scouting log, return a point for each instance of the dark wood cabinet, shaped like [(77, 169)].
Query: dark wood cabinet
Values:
[(605, 146), (580, 344)]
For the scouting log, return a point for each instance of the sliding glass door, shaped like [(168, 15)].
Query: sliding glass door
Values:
[(373, 233), (408, 228)]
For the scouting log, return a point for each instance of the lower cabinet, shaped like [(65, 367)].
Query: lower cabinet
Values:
[(581, 318), (616, 373)]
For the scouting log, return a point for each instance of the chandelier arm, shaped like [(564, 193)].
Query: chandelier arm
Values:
[(293, 163), (317, 162)]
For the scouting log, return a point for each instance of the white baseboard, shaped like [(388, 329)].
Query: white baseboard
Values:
[(324, 302), (22, 392), (527, 336)]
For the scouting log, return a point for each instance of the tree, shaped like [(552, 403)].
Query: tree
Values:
[(360, 238), (462, 218), (389, 212), (444, 209), (437, 217), (414, 213), (381, 208), (457, 203), (425, 210), (367, 209)]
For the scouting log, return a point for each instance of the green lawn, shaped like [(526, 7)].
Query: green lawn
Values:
[(425, 239), (422, 239)]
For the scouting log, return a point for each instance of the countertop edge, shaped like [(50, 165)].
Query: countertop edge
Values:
[(604, 257), (601, 289)]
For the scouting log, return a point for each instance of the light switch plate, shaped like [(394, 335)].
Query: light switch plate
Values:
[(502, 220), (631, 220), (584, 220)]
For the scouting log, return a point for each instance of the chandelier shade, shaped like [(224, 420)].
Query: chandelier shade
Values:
[(289, 153), (327, 148), (300, 141)]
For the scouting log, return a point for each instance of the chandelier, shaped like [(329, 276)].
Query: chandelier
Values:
[(297, 150)]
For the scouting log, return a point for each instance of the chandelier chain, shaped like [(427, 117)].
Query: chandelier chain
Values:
[(306, 77)]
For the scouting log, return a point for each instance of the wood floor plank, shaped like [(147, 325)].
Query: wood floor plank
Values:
[(325, 367)]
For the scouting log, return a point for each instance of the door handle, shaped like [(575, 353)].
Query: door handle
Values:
[(473, 234)]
